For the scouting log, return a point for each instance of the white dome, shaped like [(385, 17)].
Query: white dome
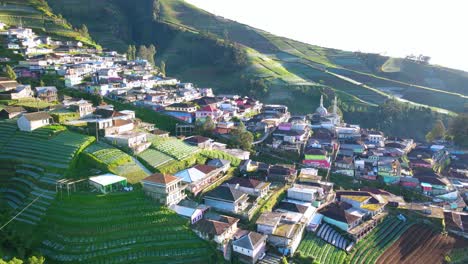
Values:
[(321, 110)]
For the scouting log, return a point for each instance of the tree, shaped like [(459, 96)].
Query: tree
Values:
[(10, 73), (162, 67), (151, 54), (84, 31), (142, 52), (458, 129), (209, 125), (130, 53), (36, 260), (245, 140), (438, 131)]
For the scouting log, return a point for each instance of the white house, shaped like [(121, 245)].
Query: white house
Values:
[(32, 121), (250, 247), (137, 141)]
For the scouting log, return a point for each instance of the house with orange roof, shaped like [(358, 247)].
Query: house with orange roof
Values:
[(164, 188)]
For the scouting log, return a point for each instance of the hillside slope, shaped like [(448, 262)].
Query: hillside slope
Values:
[(185, 37)]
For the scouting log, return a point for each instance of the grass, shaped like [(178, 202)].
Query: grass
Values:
[(120, 227)]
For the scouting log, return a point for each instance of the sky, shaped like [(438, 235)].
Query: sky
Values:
[(436, 28)]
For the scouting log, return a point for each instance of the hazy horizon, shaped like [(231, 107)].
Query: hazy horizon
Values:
[(394, 28)]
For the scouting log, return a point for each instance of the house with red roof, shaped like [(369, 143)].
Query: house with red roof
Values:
[(164, 188), (208, 111)]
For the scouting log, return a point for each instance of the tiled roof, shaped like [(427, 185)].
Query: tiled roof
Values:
[(250, 241), (205, 168), (161, 178), (337, 211), (244, 182), (225, 193), (292, 207), (37, 116)]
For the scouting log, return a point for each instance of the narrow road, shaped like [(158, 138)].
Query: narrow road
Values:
[(148, 172)]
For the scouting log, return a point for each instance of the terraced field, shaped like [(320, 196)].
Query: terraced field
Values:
[(421, 245), (118, 228), (30, 165), (117, 161), (155, 158), (34, 148), (313, 246), (173, 147), (382, 237)]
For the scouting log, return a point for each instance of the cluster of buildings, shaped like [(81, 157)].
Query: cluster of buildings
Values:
[(324, 143)]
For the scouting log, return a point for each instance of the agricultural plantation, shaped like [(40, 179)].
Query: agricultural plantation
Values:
[(31, 163), (315, 247), (116, 161), (154, 158), (422, 245), (365, 251), (173, 147), (374, 244), (118, 228)]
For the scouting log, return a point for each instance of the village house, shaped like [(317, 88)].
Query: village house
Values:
[(208, 111), (10, 112), (81, 106), (21, 91), (355, 212), (282, 234), (218, 228), (7, 84), (164, 188), (47, 93), (136, 141), (199, 141), (250, 186), (227, 199), (282, 173), (250, 247), (194, 214), (199, 177), (222, 164), (32, 121)]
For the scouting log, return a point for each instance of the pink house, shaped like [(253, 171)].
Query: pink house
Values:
[(285, 126), (317, 163), (208, 110)]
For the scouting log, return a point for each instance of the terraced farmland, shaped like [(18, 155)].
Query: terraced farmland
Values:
[(7, 130), (382, 237), (31, 163), (421, 245), (313, 246), (118, 228), (117, 161), (155, 158), (33, 148), (173, 147)]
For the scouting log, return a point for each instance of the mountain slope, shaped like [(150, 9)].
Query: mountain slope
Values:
[(180, 31)]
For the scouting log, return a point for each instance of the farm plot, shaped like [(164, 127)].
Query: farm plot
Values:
[(421, 244), (173, 147), (374, 244), (7, 130), (118, 228), (313, 246), (154, 158), (117, 161), (30, 165), (33, 148)]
